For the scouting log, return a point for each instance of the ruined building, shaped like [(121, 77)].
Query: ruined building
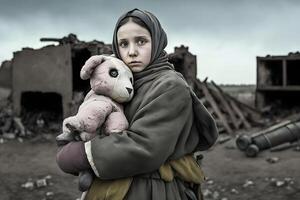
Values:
[(278, 81), (48, 78), (185, 63)]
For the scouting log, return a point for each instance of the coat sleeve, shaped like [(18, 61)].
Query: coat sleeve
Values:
[(148, 142)]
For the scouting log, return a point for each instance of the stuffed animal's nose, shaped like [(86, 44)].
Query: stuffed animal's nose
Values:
[(129, 90)]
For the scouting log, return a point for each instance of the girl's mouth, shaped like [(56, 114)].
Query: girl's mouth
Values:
[(134, 63)]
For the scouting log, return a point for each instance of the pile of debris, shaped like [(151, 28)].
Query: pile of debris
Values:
[(27, 125), (230, 114)]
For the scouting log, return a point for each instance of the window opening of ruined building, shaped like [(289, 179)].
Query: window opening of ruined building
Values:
[(293, 72), (36, 106), (178, 64), (79, 56), (274, 71)]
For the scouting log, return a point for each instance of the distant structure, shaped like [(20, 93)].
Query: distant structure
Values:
[(5, 74), (278, 81), (49, 78), (185, 63)]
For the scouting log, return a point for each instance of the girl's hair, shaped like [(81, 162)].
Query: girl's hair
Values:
[(135, 20)]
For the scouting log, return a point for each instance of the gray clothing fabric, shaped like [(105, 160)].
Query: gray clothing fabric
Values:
[(161, 128)]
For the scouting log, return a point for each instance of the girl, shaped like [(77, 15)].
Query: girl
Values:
[(167, 123)]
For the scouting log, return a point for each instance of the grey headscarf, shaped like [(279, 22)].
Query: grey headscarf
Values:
[(159, 58)]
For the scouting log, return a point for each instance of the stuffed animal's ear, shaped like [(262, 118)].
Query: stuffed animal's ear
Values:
[(90, 66)]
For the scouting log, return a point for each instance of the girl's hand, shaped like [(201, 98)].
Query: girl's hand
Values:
[(71, 158)]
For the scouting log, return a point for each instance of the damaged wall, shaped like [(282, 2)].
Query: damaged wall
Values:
[(6, 74), (44, 70), (278, 82), (185, 63), (49, 78)]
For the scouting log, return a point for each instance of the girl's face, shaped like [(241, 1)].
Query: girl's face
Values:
[(134, 43)]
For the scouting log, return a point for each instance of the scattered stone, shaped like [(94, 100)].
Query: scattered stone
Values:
[(297, 148), (28, 185), (224, 198), (20, 139), (272, 160), (280, 183), (41, 183), (248, 183), (48, 177), (277, 183), (49, 195), (234, 191), (1, 140), (207, 193), (289, 180), (210, 182), (216, 195), (9, 136)]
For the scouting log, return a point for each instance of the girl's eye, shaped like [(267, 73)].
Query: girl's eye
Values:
[(113, 73), (141, 42), (123, 44)]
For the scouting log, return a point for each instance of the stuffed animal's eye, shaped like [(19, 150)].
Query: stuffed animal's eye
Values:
[(113, 73), (130, 80)]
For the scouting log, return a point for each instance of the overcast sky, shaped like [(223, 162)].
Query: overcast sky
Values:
[(225, 35)]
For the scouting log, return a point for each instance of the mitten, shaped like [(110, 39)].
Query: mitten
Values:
[(72, 158)]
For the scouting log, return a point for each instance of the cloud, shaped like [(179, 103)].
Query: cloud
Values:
[(226, 36)]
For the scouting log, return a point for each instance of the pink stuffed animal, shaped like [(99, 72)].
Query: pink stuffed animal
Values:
[(111, 84)]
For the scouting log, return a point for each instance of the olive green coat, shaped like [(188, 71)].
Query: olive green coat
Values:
[(162, 127)]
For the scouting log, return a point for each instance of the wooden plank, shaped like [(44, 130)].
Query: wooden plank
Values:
[(214, 105), (255, 114), (219, 94), (240, 114)]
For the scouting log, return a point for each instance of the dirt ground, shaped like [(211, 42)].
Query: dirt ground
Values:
[(231, 175), (28, 171)]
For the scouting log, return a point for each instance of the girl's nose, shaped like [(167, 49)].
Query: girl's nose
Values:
[(132, 51)]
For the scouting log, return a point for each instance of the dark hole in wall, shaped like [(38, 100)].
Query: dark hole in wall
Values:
[(274, 67), (79, 56), (283, 99), (40, 105), (293, 72), (178, 64)]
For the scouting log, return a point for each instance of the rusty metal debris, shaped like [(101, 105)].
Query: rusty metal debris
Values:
[(284, 132)]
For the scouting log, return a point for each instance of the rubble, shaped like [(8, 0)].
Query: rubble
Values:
[(283, 132), (248, 183), (230, 114), (49, 195), (234, 191), (38, 183), (28, 185), (272, 160)]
